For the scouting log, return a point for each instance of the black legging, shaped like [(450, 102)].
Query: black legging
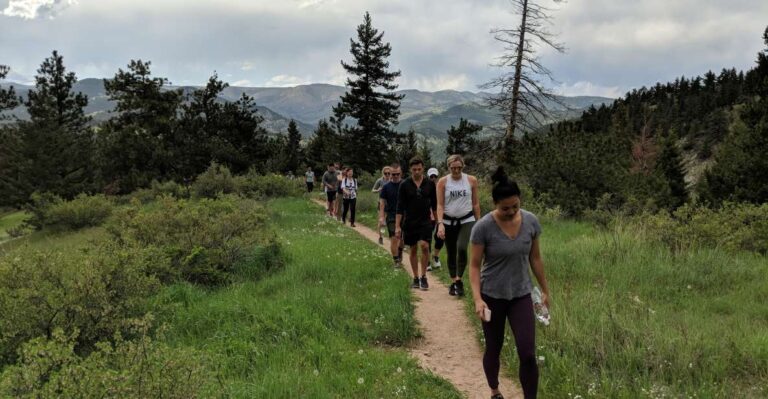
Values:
[(519, 312), (438, 241), (349, 203), (456, 241)]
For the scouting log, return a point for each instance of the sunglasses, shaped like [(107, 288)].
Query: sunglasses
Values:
[(387, 174)]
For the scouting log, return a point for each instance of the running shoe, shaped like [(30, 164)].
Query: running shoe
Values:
[(452, 289), (352, 224), (429, 268), (436, 263), (423, 283), (459, 288), (415, 284)]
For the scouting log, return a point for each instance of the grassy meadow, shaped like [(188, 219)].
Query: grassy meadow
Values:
[(632, 319)]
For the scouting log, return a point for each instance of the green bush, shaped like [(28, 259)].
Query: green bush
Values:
[(213, 182), (94, 291), (83, 211), (169, 188), (253, 185), (38, 206), (49, 210), (734, 226), (203, 240), (143, 368)]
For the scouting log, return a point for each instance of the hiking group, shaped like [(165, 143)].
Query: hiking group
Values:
[(504, 244)]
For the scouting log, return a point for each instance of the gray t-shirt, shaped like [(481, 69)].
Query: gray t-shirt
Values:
[(330, 179), (505, 261), (379, 184)]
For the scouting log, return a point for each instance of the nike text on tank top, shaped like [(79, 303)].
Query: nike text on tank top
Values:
[(458, 200)]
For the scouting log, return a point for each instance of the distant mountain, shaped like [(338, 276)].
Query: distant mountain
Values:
[(429, 113)]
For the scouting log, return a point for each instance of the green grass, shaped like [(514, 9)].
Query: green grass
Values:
[(10, 220), (631, 319), (334, 323)]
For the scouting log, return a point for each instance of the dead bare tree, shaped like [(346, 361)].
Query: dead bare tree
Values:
[(523, 95)]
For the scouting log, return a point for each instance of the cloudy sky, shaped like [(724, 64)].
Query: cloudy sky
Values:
[(613, 45)]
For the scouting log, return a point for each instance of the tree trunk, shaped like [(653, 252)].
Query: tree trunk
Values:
[(510, 136)]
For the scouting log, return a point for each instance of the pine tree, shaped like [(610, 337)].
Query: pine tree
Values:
[(374, 112), (670, 166), (323, 147), (56, 143), (8, 98), (136, 144), (425, 153), (407, 148), (293, 151), (462, 139)]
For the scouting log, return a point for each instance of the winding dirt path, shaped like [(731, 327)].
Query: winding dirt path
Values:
[(449, 346)]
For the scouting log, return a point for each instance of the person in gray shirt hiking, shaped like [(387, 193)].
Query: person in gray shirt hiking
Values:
[(330, 186), (506, 243)]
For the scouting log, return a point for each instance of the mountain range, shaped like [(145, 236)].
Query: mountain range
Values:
[(429, 113)]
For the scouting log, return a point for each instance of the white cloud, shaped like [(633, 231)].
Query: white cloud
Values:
[(583, 88), (437, 82), (286, 81), (32, 9), (242, 83)]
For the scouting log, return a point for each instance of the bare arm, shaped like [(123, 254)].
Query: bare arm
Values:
[(440, 208), (537, 265), (475, 197), (475, 262)]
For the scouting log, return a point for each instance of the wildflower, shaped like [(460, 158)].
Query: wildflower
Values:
[(360, 380), (316, 372), (399, 370)]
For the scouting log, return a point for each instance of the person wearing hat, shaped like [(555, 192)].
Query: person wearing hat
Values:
[(458, 207), (433, 175)]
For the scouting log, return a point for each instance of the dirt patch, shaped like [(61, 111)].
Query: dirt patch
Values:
[(448, 347)]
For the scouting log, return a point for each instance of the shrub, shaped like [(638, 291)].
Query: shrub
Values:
[(38, 206), (169, 188), (141, 368), (94, 291), (202, 240), (213, 182), (83, 211), (253, 185), (49, 210)]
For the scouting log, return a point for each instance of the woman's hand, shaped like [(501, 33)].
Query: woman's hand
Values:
[(441, 231), (545, 299), (480, 307)]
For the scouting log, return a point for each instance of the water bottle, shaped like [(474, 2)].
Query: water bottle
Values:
[(542, 313)]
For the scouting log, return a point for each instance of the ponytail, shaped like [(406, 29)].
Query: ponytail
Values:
[(503, 187)]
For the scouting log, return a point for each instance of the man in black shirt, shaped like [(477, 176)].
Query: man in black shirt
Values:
[(416, 200)]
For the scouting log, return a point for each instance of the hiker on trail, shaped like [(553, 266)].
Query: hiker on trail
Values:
[(329, 186), (310, 179), (506, 243), (433, 175), (377, 186), (458, 207), (415, 202), (339, 178), (388, 212), (349, 191), (381, 181)]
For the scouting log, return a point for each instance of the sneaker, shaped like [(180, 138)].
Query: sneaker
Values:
[(381, 240), (429, 268), (352, 224), (436, 263), (423, 283), (415, 283), (459, 288), (452, 289)]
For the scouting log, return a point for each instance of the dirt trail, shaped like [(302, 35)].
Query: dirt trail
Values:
[(449, 346)]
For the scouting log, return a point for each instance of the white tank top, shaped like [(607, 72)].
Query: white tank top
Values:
[(458, 199)]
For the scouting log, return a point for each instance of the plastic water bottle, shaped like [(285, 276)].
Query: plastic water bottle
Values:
[(542, 313)]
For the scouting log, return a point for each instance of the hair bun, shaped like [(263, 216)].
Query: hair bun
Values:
[(499, 176)]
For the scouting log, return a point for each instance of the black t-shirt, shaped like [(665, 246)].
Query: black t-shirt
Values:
[(415, 202), (389, 194)]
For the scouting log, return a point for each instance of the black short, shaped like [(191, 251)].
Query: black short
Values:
[(412, 235), (391, 227), (310, 186), (331, 195)]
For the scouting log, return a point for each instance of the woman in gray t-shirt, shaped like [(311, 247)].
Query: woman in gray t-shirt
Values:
[(506, 243)]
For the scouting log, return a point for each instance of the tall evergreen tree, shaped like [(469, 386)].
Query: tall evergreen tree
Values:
[(135, 144), (10, 192), (374, 112), (407, 148), (8, 98), (294, 153), (323, 147), (425, 153), (56, 143), (462, 139), (670, 165)]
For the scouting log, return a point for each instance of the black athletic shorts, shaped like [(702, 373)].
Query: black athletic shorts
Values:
[(331, 195), (391, 227), (413, 235)]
